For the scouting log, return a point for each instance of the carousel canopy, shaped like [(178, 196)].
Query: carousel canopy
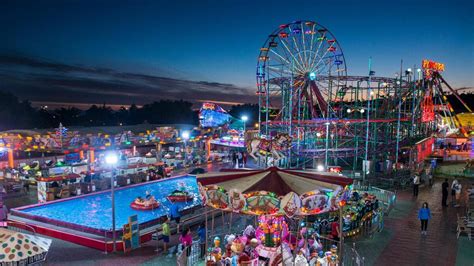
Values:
[(273, 190), (279, 181)]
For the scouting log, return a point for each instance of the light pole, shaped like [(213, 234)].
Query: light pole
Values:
[(244, 119), (185, 137), (327, 146), (419, 73), (111, 159), (365, 164)]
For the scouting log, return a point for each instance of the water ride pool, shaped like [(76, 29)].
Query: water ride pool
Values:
[(93, 213)]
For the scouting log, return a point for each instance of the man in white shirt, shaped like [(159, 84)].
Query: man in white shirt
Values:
[(416, 184), (458, 189)]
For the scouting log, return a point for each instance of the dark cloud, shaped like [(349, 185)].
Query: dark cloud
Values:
[(46, 81)]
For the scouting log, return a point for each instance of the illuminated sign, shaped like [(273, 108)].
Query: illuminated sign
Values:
[(432, 65), (208, 106)]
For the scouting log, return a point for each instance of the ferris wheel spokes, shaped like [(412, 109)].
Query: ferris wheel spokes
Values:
[(302, 65)]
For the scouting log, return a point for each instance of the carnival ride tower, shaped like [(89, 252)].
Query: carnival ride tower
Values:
[(300, 69), (334, 119)]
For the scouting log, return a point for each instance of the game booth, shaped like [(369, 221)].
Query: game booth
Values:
[(285, 205)]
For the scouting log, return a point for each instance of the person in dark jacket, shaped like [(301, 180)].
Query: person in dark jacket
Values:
[(445, 192), (424, 214), (202, 240)]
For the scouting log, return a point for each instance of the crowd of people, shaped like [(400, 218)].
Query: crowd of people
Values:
[(239, 159), (456, 191)]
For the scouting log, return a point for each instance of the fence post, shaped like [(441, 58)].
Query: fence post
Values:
[(105, 242)]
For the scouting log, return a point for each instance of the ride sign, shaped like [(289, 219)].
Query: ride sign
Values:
[(432, 65)]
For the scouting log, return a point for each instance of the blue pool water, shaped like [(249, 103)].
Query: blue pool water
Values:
[(95, 210)]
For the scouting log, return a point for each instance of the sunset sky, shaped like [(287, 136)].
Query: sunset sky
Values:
[(74, 52)]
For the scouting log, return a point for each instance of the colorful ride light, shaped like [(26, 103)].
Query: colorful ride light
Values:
[(331, 49), (273, 44), (309, 23), (282, 26), (338, 62), (264, 49), (296, 31), (321, 39), (310, 32), (283, 35), (331, 41), (263, 58)]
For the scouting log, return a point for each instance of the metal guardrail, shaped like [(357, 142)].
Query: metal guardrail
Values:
[(190, 255), (351, 257), (388, 198), (21, 227)]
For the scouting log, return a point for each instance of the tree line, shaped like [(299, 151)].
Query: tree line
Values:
[(18, 114)]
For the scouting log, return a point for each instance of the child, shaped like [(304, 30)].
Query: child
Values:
[(165, 227), (186, 240)]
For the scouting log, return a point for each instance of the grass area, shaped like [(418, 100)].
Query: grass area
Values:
[(465, 254), (371, 248), (451, 170)]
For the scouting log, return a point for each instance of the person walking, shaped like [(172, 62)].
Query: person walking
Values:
[(202, 240), (416, 185), (424, 214), (234, 159), (239, 159), (429, 175), (175, 214), (453, 191), (458, 189), (444, 188)]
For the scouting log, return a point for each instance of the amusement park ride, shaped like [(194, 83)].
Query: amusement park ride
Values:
[(334, 119)]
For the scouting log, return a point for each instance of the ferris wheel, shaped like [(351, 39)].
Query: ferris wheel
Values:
[(300, 70)]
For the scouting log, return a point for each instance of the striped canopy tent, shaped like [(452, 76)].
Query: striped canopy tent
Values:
[(274, 191), (22, 249)]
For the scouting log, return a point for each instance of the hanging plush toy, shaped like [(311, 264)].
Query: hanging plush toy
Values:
[(300, 260), (251, 249), (267, 233), (229, 239), (333, 260), (210, 258), (237, 247), (217, 252)]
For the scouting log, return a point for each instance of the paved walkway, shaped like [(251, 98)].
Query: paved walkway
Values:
[(401, 242)]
